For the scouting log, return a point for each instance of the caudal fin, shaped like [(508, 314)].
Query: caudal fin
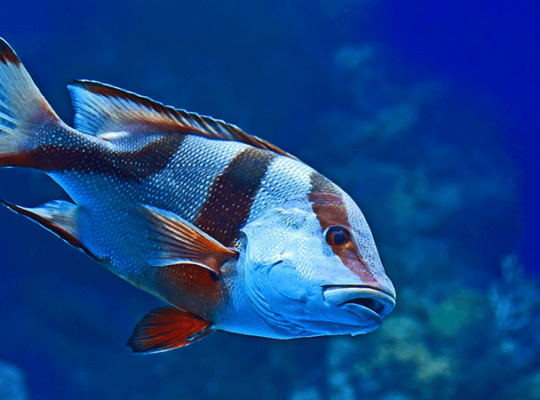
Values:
[(24, 112)]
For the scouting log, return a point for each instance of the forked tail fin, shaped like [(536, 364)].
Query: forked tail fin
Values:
[(24, 112)]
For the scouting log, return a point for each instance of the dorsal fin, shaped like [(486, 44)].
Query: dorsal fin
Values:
[(101, 108)]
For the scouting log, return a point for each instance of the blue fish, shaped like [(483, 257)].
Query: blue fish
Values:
[(232, 232)]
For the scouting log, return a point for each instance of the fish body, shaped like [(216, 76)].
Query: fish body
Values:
[(232, 232)]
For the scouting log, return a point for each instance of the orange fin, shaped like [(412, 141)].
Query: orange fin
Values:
[(180, 241), (58, 217), (167, 328), (101, 108)]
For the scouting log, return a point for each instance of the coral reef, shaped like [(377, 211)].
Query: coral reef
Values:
[(515, 299)]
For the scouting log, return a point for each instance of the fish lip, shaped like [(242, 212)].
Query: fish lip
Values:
[(360, 299)]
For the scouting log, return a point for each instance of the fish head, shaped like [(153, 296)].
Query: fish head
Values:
[(311, 270)]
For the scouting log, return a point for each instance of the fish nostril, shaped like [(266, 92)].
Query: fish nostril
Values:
[(373, 304)]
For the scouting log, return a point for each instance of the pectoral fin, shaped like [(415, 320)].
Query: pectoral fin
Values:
[(167, 328), (179, 241)]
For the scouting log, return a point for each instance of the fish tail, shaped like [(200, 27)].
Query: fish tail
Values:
[(25, 115)]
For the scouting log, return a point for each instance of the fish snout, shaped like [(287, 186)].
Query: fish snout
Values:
[(361, 300)]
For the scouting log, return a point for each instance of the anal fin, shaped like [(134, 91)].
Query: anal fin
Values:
[(58, 216), (167, 328)]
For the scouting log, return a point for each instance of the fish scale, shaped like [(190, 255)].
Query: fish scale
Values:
[(232, 232), (190, 174), (286, 180)]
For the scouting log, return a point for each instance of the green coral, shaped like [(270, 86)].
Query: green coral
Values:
[(459, 311), (403, 343)]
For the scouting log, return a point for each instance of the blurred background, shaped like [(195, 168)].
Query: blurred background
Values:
[(425, 112)]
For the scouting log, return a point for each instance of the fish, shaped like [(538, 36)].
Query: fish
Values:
[(231, 232)]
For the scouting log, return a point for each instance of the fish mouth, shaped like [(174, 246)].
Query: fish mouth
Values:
[(364, 301)]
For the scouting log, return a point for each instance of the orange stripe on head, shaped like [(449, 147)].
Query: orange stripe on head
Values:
[(331, 210)]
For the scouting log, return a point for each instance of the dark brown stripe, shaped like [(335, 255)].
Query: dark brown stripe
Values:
[(229, 203), (327, 203), (134, 164), (7, 54)]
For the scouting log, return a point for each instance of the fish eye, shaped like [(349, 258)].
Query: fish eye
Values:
[(336, 235)]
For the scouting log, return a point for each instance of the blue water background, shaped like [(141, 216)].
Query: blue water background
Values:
[(426, 112)]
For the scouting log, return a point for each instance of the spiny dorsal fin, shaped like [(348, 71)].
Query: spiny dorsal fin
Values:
[(101, 108), (167, 328)]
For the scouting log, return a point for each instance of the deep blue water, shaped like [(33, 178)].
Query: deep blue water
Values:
[(425, 112), (492, 50)]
